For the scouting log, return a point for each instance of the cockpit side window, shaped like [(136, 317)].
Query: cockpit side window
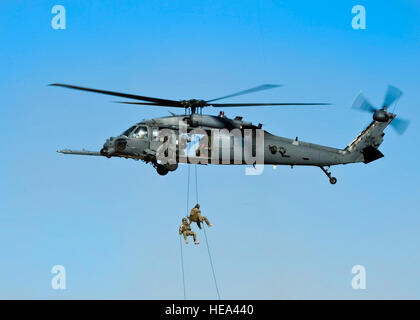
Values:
[(140, 133), (128, 131), (155, 132)]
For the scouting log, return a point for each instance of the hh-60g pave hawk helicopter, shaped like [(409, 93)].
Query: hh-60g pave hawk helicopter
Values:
[(140, 141)]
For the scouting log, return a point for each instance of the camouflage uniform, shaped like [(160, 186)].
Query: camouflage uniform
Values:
[(195, 216), (185, 230)]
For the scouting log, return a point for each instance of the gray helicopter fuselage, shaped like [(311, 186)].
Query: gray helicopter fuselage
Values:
[(142, 142)]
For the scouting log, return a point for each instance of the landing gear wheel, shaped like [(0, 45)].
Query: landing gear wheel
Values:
[(161, 170), (333, 180)]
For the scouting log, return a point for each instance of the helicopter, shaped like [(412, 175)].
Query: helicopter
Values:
[(142, 141)]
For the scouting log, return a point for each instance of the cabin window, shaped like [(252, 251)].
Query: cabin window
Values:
[(155, 133), (140, 133)]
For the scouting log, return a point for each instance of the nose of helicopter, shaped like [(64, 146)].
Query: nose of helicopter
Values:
[(113, 145), (108, 148)]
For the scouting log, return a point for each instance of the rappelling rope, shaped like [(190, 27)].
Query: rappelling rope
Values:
[(205, 235), (196, 184), (180, 236), (182, 266), (211, 263), (188, 189)]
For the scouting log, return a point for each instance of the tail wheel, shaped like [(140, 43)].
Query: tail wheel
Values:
[(333, 180)]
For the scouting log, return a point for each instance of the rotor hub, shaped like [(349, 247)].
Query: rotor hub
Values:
[(193, 104), (381, 115)]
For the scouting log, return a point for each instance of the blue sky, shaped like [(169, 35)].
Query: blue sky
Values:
[(285, 234)]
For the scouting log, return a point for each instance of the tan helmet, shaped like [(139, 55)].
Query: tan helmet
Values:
[(184, 219)]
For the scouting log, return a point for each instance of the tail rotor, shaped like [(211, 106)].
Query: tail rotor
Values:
[(391, 95), (382, 115), (400, 125)]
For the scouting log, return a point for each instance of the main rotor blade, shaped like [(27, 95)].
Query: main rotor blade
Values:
[(392, 94), (259, 88), (400, 125), (361, 103), (119, 94), (217, 105), (149, 104)]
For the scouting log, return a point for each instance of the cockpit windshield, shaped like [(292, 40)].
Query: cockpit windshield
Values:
[(140, 132), (128, 131)]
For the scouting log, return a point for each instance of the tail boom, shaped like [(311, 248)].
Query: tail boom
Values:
[(365, 147)]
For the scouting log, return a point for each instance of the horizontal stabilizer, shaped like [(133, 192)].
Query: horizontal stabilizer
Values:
[(371, 154)]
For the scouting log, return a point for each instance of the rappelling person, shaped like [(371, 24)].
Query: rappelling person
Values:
[(195, 216), (185, 230)]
